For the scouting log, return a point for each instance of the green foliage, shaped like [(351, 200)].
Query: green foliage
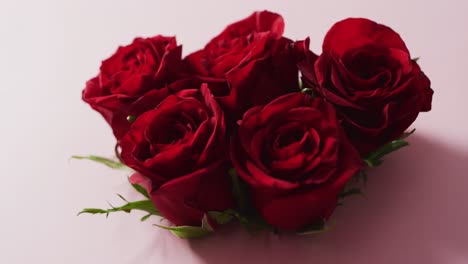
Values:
[(187, 232), (143, 205), (351, 192), (221, 218), (375, 158), (105, 161), (139, 189), (239, 190), (247, 216), (144, 218)]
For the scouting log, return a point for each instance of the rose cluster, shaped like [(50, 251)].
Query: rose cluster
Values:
[(256, 110)]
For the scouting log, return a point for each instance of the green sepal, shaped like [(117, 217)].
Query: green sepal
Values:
[(239, 190), (375, 158), (139, 189), (415, 59), (143, 205), (251, 221), (221, 218), (361, 176), (247, 216), (316, 228), (407, 134), (105, 161), (144, 218), (254, 223), (351, 192), (306, 90), (187, 232)]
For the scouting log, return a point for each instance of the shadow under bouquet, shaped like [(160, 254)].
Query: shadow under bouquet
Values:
[(255, 127)]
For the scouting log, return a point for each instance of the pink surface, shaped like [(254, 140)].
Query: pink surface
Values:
[(415, 210)]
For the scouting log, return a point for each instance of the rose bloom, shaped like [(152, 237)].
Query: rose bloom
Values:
[(295, 158), (367, 73), (247, 64), (133, 80), (180, 148)]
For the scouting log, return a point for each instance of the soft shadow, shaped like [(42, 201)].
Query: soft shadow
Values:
[(415, 211)]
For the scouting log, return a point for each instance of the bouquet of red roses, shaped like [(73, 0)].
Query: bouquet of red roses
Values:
[(255, 127)]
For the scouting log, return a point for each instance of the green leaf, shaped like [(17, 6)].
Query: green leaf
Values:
[(93, 211), (140, 189), (144, 218), (187, 232), (375, 158), (105, 161), (121, 197), (143, 205), (407, 134), (239, 190), (252, 222), (351, 192), (221, 218), (205, 224), (247, 216), (316, 228)]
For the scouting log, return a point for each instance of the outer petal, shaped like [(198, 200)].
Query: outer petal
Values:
[(260, 80), (257, 22), (356, 32), (305, 62), (115, 90), (183, 201)]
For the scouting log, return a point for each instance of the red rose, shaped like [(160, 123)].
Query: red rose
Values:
[(248, 64), (181, 146), (295, 158), (367, 73), (133, 80)]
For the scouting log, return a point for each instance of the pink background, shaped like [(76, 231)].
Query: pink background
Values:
[(416, 206)]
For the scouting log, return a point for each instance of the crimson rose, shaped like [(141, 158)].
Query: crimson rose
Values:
[(367, 73), (295, 158), (133, 80), (248, 64), (181, 147)]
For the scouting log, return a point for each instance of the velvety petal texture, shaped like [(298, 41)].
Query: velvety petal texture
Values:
[(295, 158), (249, 58), (129, 81), (181, 147), (239, 102), (367, 73)]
